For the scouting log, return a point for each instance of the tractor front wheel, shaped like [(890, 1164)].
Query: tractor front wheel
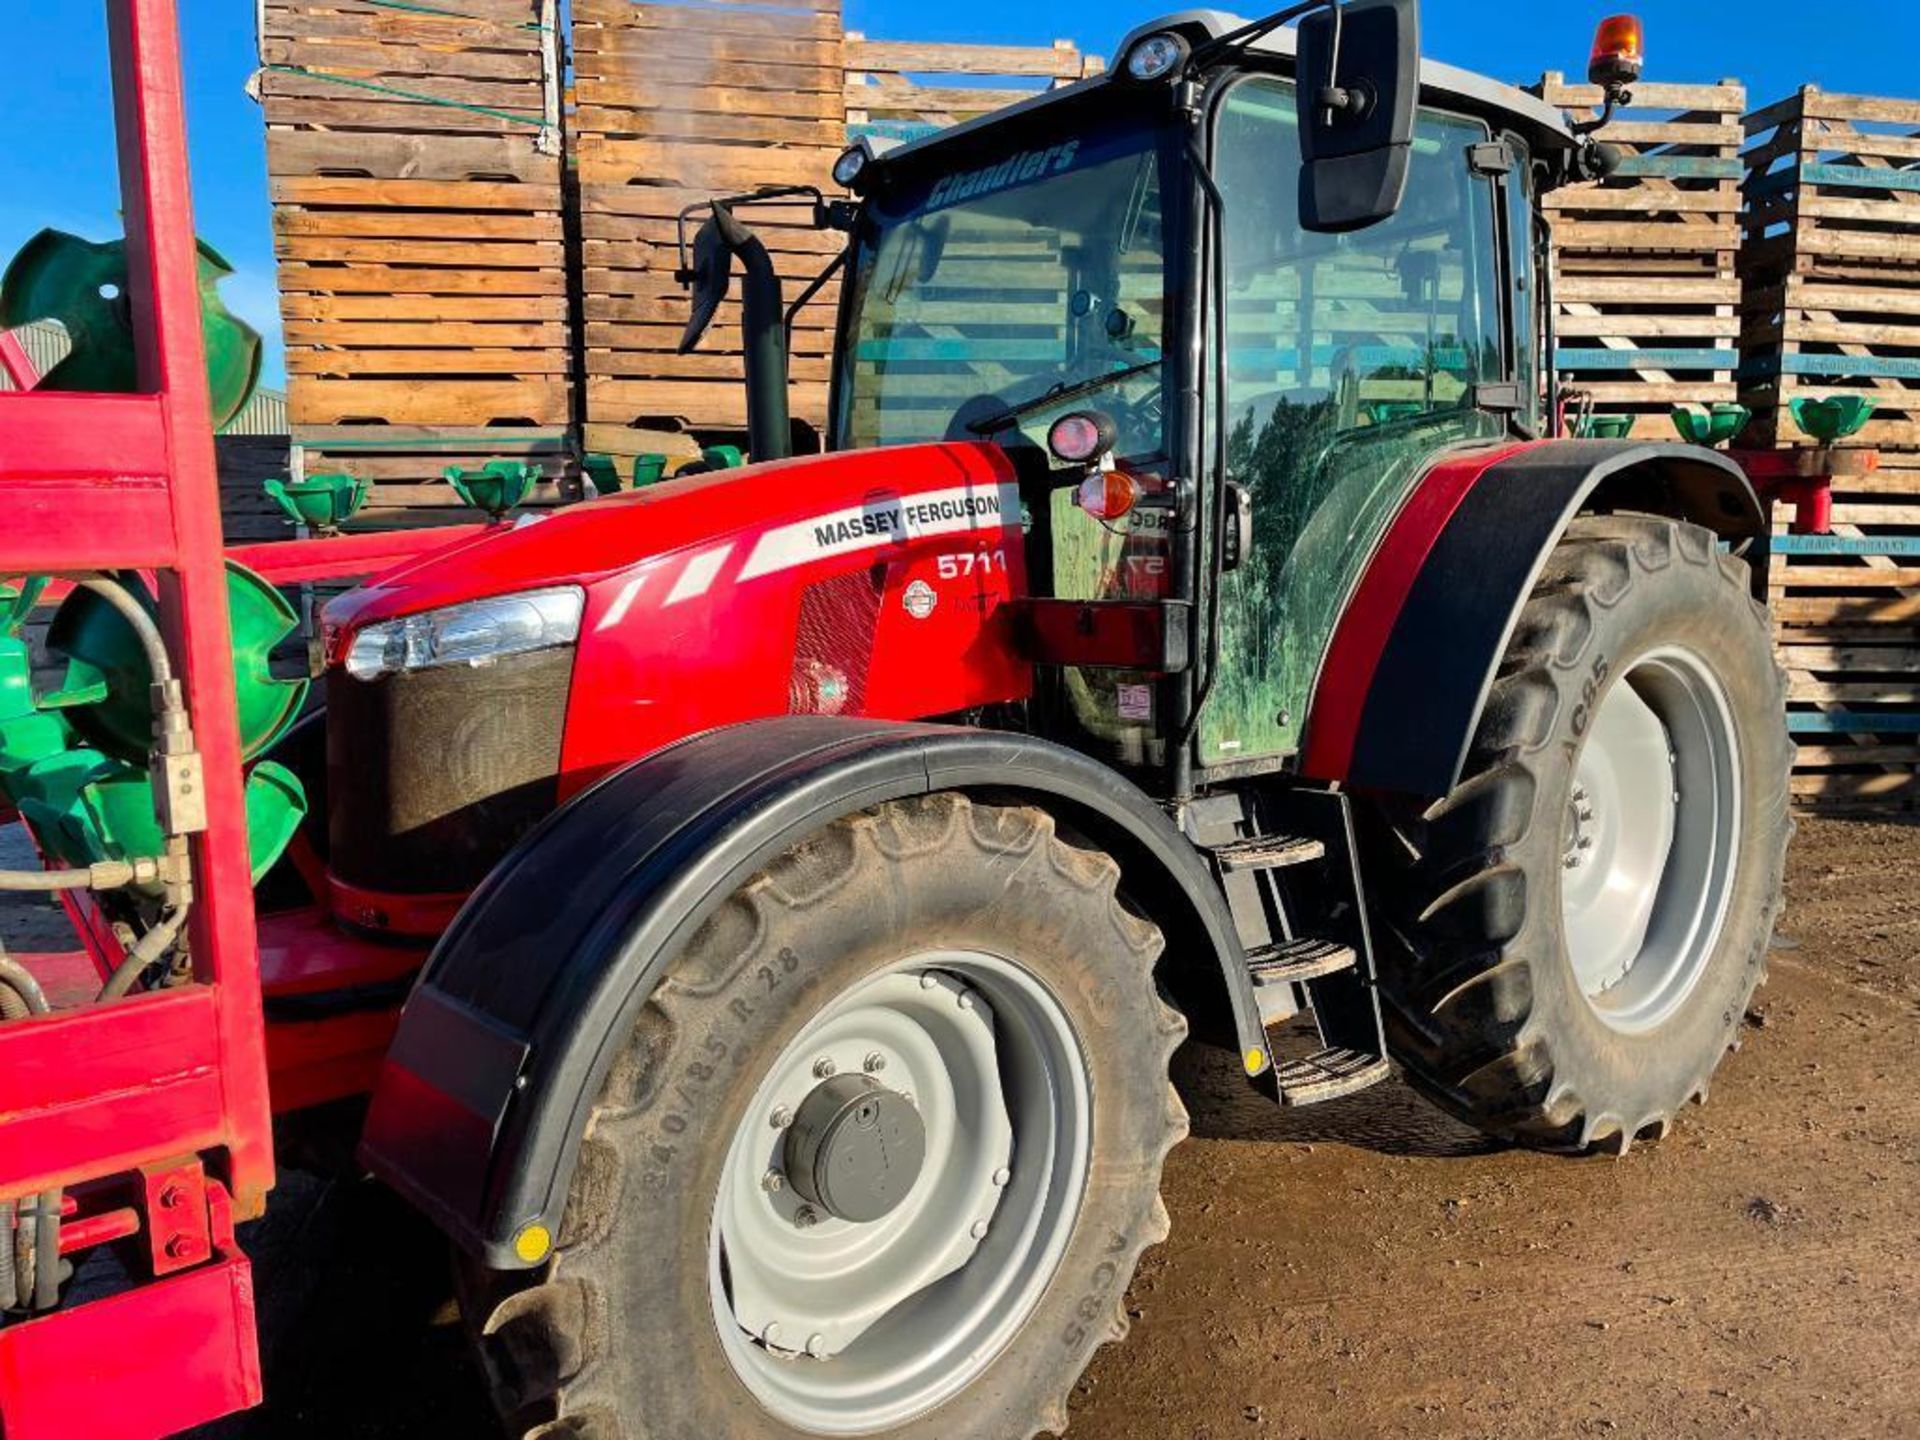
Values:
[(879, 1159), (1569, 939)]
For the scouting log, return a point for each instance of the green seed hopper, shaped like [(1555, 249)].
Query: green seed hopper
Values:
[(83, 286), (73, 759)]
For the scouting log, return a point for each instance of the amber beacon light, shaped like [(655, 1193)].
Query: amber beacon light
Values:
[(1619, 52)]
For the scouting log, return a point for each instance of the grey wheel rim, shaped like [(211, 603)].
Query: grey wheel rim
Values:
[(844, 1326), (1651, 839)]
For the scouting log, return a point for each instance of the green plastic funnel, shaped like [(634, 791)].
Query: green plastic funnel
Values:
[(105, 696), (1710, 425), (109, 815), (1603, 427), (602, 473), (495, 487), (648, 470), (320, 502), (83, 286), (1832, 419)]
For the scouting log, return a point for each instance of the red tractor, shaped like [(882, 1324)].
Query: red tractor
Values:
[(756, 913)]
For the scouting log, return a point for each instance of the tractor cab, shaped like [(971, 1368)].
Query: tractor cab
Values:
[(1260, 332)]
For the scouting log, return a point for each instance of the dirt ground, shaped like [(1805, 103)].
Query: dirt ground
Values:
[(1371, 1268)]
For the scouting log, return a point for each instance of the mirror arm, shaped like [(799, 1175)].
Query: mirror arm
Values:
[(1248, 33), (813, 288)]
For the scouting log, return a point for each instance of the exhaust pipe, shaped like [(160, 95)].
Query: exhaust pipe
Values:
[(763, 325)]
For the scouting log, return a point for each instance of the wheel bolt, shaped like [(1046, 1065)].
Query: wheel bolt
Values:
[(806, 1217), (781, 1118), (772, 1333), (979, 1230), (773, 1182), (874, 1063), (928, 981), (817, 1346), (823, 1068), (1001, 1177), (966, 1000)]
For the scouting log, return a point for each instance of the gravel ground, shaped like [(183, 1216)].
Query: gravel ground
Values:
[(1371, 1268)]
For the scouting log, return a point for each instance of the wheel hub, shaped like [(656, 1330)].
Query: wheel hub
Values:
[(855, 1148), (900, 1192), (1650, 834)]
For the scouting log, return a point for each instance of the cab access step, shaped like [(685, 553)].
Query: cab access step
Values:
[(1286, 863)]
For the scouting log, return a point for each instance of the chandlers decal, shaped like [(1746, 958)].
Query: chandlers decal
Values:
[(1016, 170), (891, 520)]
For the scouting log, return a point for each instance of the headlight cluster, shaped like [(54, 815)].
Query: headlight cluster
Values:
[(477, 633)]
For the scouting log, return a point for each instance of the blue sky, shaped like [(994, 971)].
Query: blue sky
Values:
[(57, 167)]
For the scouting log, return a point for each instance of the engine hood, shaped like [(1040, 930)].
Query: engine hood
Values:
[(585, 544)]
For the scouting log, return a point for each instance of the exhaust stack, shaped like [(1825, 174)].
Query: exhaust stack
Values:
[(762, 324)]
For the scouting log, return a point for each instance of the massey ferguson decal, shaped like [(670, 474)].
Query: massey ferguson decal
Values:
[(888, 520)]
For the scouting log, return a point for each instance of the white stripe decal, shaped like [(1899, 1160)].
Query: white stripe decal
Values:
[(887, 520), (622, 603), (697, 578)]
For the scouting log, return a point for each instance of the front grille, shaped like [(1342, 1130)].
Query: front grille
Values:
[(432, 775)]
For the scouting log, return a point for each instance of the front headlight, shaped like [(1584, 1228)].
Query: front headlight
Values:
[(477, 633)]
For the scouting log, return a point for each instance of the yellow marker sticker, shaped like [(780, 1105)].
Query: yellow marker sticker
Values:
[(533, 1243), (1256, 1061)]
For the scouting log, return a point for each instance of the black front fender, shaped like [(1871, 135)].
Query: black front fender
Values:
[(528, 998)]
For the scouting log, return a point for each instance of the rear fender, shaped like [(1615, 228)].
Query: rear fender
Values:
[(1416, 650), (506, 1041)]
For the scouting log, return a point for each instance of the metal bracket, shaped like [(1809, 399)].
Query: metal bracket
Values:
[(179, 1228), (1491, 157)]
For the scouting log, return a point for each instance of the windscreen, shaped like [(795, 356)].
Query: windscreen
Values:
[(1033, 265)]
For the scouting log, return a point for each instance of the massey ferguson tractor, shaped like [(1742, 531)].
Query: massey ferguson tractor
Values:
[(752, 916)]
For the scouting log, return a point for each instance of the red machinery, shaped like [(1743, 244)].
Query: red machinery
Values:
[(797, 878)]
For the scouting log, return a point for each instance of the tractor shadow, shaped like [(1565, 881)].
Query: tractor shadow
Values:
[(1388, 1119)]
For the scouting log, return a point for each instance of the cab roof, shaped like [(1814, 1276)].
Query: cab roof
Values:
[(1447, 86)]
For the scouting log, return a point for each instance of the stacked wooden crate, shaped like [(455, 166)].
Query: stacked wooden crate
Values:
[(678, 104), (414, 155), (1646, 290), (903, 90), (1831, 268)]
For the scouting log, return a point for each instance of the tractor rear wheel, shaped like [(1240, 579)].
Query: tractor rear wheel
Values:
[(1569, 939), (879, 1159)]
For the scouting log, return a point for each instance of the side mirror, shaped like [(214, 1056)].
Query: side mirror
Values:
[(709, 279), (1359, 95)]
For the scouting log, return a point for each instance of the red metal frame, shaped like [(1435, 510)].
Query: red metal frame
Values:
[(127, 481), (16, 362), (1804, 479)]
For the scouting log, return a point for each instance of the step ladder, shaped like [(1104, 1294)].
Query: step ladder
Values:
[(1292, 882)]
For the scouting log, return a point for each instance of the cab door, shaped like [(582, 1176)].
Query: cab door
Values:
[(1350, 360)]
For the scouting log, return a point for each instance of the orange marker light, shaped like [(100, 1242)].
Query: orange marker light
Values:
[(1619, 51), (1107, 494)]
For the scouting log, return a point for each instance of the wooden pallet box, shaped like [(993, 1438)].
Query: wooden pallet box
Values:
[(1831, 262), (1847, 607), (1646, 293), (415, 170), (679, 104)]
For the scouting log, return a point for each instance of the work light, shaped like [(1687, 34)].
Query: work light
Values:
[(1156, 56)]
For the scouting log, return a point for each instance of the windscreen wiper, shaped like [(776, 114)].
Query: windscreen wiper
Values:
[(994, 424)]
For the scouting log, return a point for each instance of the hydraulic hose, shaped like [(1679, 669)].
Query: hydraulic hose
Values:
[(149, 948), (136, 616), (36, 1285)]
